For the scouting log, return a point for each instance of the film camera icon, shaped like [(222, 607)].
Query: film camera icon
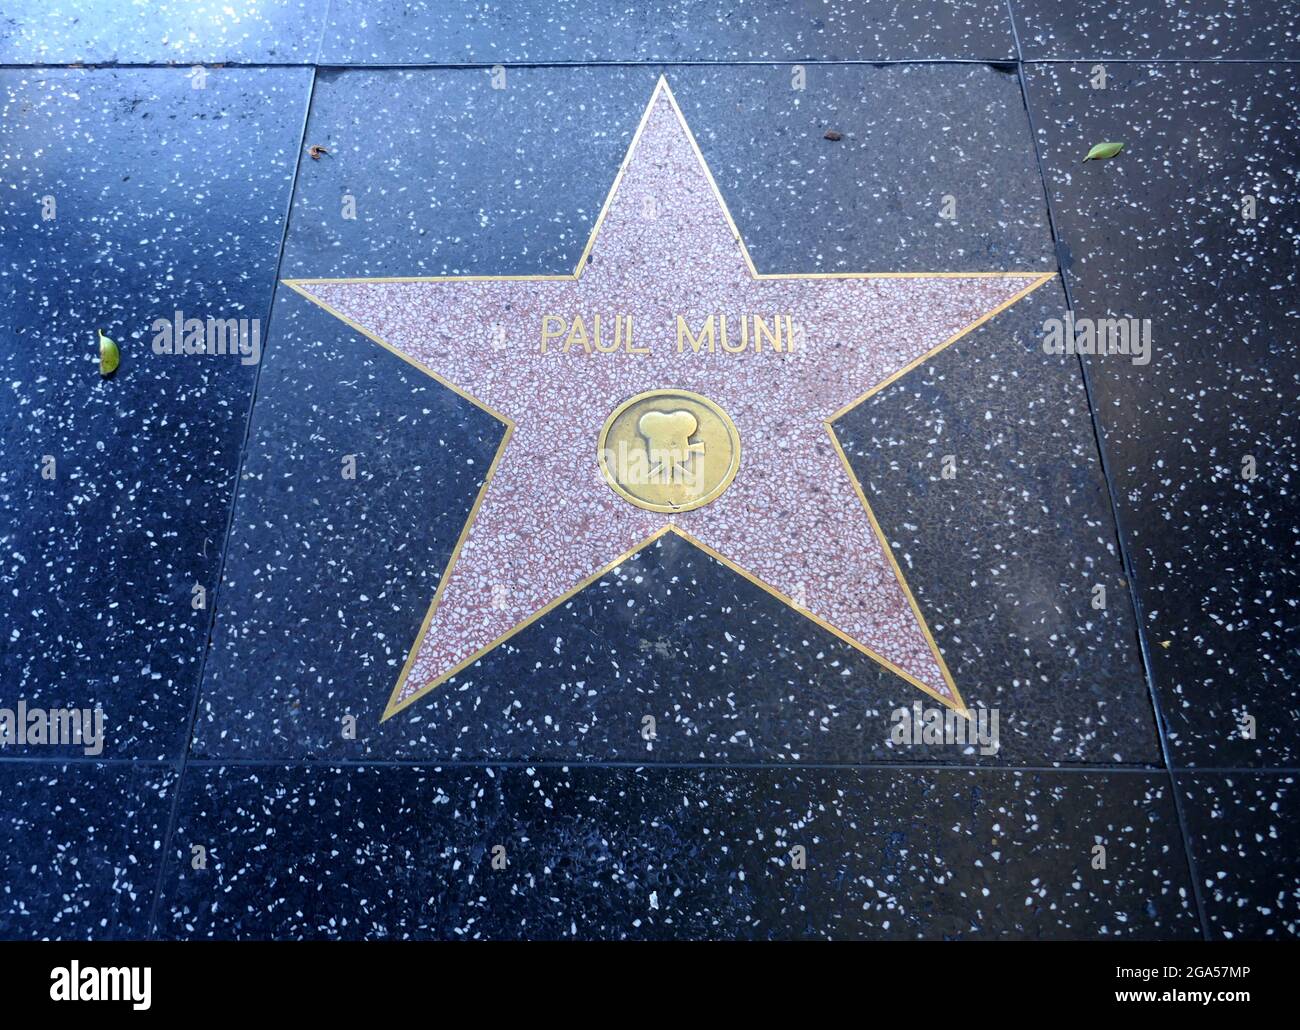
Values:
[(671, 454)]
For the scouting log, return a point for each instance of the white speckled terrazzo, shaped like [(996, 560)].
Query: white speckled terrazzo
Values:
[(655, 752)]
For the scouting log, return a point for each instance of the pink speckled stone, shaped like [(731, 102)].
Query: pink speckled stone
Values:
[(791, 518)]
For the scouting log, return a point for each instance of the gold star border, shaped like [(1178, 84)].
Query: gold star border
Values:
[(661, 87)]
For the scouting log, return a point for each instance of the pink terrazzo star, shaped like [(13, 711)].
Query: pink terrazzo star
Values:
[(793, 521)]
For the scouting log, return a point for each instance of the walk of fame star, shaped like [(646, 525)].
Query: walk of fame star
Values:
[(666, 302)]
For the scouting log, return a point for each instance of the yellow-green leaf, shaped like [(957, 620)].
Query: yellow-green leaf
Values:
[(108, 355), (1104, 151)]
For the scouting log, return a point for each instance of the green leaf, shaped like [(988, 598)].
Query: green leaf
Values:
[(108, 355), (1104, 151)]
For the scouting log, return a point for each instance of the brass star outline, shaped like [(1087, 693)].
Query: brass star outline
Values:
[(661, 87)]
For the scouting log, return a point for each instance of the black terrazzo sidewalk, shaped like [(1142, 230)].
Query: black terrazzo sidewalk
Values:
[(178, 549)]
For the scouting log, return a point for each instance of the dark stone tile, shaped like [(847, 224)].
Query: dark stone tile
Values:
[(1158, 233), (172, 32), (320, 606), (79, 848), (1242, 831), (167, 198), (327, 578), (1006, 556), (1157, 29), (672, 853), (753, 682), (360, 32), (453, 177), (871, 202)]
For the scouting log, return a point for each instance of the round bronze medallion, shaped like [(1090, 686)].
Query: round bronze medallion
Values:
[(669, 450)]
